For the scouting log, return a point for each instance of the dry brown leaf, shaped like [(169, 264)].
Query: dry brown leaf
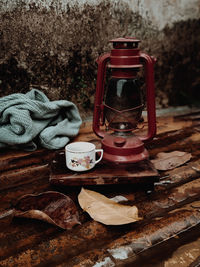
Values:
[(52, 207), (170, 160), (105, 210)]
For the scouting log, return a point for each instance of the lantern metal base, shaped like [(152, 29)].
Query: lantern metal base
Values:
[(123, 148)]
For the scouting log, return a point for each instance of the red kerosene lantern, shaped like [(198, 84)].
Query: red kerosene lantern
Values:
[(120, 105)]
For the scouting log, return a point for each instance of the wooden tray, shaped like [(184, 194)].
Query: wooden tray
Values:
[(103, 173)]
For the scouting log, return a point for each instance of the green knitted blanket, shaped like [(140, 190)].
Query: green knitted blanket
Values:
[(26, 119)]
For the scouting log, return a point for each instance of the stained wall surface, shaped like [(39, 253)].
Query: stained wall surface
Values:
[(53, 45)]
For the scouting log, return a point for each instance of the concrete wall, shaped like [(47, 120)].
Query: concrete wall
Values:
[(166, 12), (53, 44), (160, 13)]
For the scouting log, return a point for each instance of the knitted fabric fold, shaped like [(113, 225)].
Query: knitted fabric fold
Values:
[(27, 117)]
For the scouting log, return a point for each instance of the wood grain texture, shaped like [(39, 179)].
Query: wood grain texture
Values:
[(171, 213)]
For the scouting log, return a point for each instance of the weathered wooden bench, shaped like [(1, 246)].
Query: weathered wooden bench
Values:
[(171, 214)]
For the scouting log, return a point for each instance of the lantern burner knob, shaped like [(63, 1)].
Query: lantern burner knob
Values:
[(119, 141)]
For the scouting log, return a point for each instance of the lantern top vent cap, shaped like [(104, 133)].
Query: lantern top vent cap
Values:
[(125, 40)]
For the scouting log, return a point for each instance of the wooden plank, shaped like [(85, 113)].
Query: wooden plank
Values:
[(9, 196), (28, 243), (128, 248), (178, 176), (10, 179), (101, 175), (12, 159), (64, 244)]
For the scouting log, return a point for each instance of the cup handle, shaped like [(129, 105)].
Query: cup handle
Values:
[(101, 156)]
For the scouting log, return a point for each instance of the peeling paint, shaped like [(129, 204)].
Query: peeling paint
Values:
[(165, 13), (121, 253), (107, 262)]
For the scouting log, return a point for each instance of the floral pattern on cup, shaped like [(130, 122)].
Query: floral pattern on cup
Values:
[(86, 162), (81, 156)]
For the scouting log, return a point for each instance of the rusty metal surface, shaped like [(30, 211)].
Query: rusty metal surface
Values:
[(171, 214)]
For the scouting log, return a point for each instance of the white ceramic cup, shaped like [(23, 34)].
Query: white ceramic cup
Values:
[(81, 156)]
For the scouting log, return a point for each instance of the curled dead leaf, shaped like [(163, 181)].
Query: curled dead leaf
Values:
[(170, 160), (105, 210), (52, 207)]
